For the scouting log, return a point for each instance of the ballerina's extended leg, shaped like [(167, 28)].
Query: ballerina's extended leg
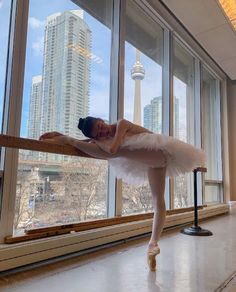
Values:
[(152, 158)]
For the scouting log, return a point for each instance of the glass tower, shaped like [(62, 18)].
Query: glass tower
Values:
[(66, 72), (35, 108), (153, 115)]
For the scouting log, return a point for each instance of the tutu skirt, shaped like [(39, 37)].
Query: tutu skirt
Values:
[(180, 156)]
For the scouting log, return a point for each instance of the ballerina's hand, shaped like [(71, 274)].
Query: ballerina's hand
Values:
[(54, 137), (49, 135)]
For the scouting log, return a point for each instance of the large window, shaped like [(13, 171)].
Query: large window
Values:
[(183, 109), (211, 136), (143, 89), (74, 68), (67, 76)]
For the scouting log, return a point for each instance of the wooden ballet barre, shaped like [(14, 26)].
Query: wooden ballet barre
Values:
[(43, 232), (42, 146)]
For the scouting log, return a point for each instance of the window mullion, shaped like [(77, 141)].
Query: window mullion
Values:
[(171, 110), (197, 123), (12, 109), (167, 89), (114, 199)]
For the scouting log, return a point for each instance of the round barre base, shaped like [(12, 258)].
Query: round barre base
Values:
[(197, 231)]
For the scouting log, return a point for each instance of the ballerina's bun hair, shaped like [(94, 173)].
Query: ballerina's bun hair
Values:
[(86, 125)]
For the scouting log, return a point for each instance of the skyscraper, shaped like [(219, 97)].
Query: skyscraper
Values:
[(147, 117), (157, 114), (153, 115), (66, 72), (35, 108), (35, 113)]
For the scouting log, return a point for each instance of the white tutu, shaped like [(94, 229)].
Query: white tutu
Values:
[(181, 157)]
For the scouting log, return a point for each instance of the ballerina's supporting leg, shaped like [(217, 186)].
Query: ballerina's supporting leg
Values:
[(156, 175), (156, 178)]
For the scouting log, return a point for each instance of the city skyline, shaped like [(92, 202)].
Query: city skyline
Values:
[(99, 97)]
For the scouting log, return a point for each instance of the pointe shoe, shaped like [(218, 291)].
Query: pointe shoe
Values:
[(151, 257)]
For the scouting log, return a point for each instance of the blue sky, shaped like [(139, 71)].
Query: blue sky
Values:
[(100, 71)]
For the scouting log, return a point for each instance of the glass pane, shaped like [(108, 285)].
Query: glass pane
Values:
[(212, 193), (67, 76), (5, 8), (211, 118), (143, 89), (211, 132), (183, 91)]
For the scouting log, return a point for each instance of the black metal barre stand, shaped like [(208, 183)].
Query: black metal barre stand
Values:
[(196, 229)]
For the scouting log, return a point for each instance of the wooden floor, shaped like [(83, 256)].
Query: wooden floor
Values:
[(186, 263)]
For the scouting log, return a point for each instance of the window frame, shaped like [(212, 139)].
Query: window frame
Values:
[(12, 109)]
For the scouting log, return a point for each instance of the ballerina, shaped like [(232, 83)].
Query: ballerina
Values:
[(137, 155)]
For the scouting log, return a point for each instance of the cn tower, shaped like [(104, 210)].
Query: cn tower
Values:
[(137, 73)]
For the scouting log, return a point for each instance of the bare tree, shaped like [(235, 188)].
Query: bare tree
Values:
[(136, 199), (27, 182), (79, 193)]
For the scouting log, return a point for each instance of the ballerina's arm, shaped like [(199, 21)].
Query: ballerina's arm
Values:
[(59, 137), (123, 126), (87, 146)]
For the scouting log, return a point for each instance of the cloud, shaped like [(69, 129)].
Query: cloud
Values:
[(34, 22), (1, 3), (37, 46)]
